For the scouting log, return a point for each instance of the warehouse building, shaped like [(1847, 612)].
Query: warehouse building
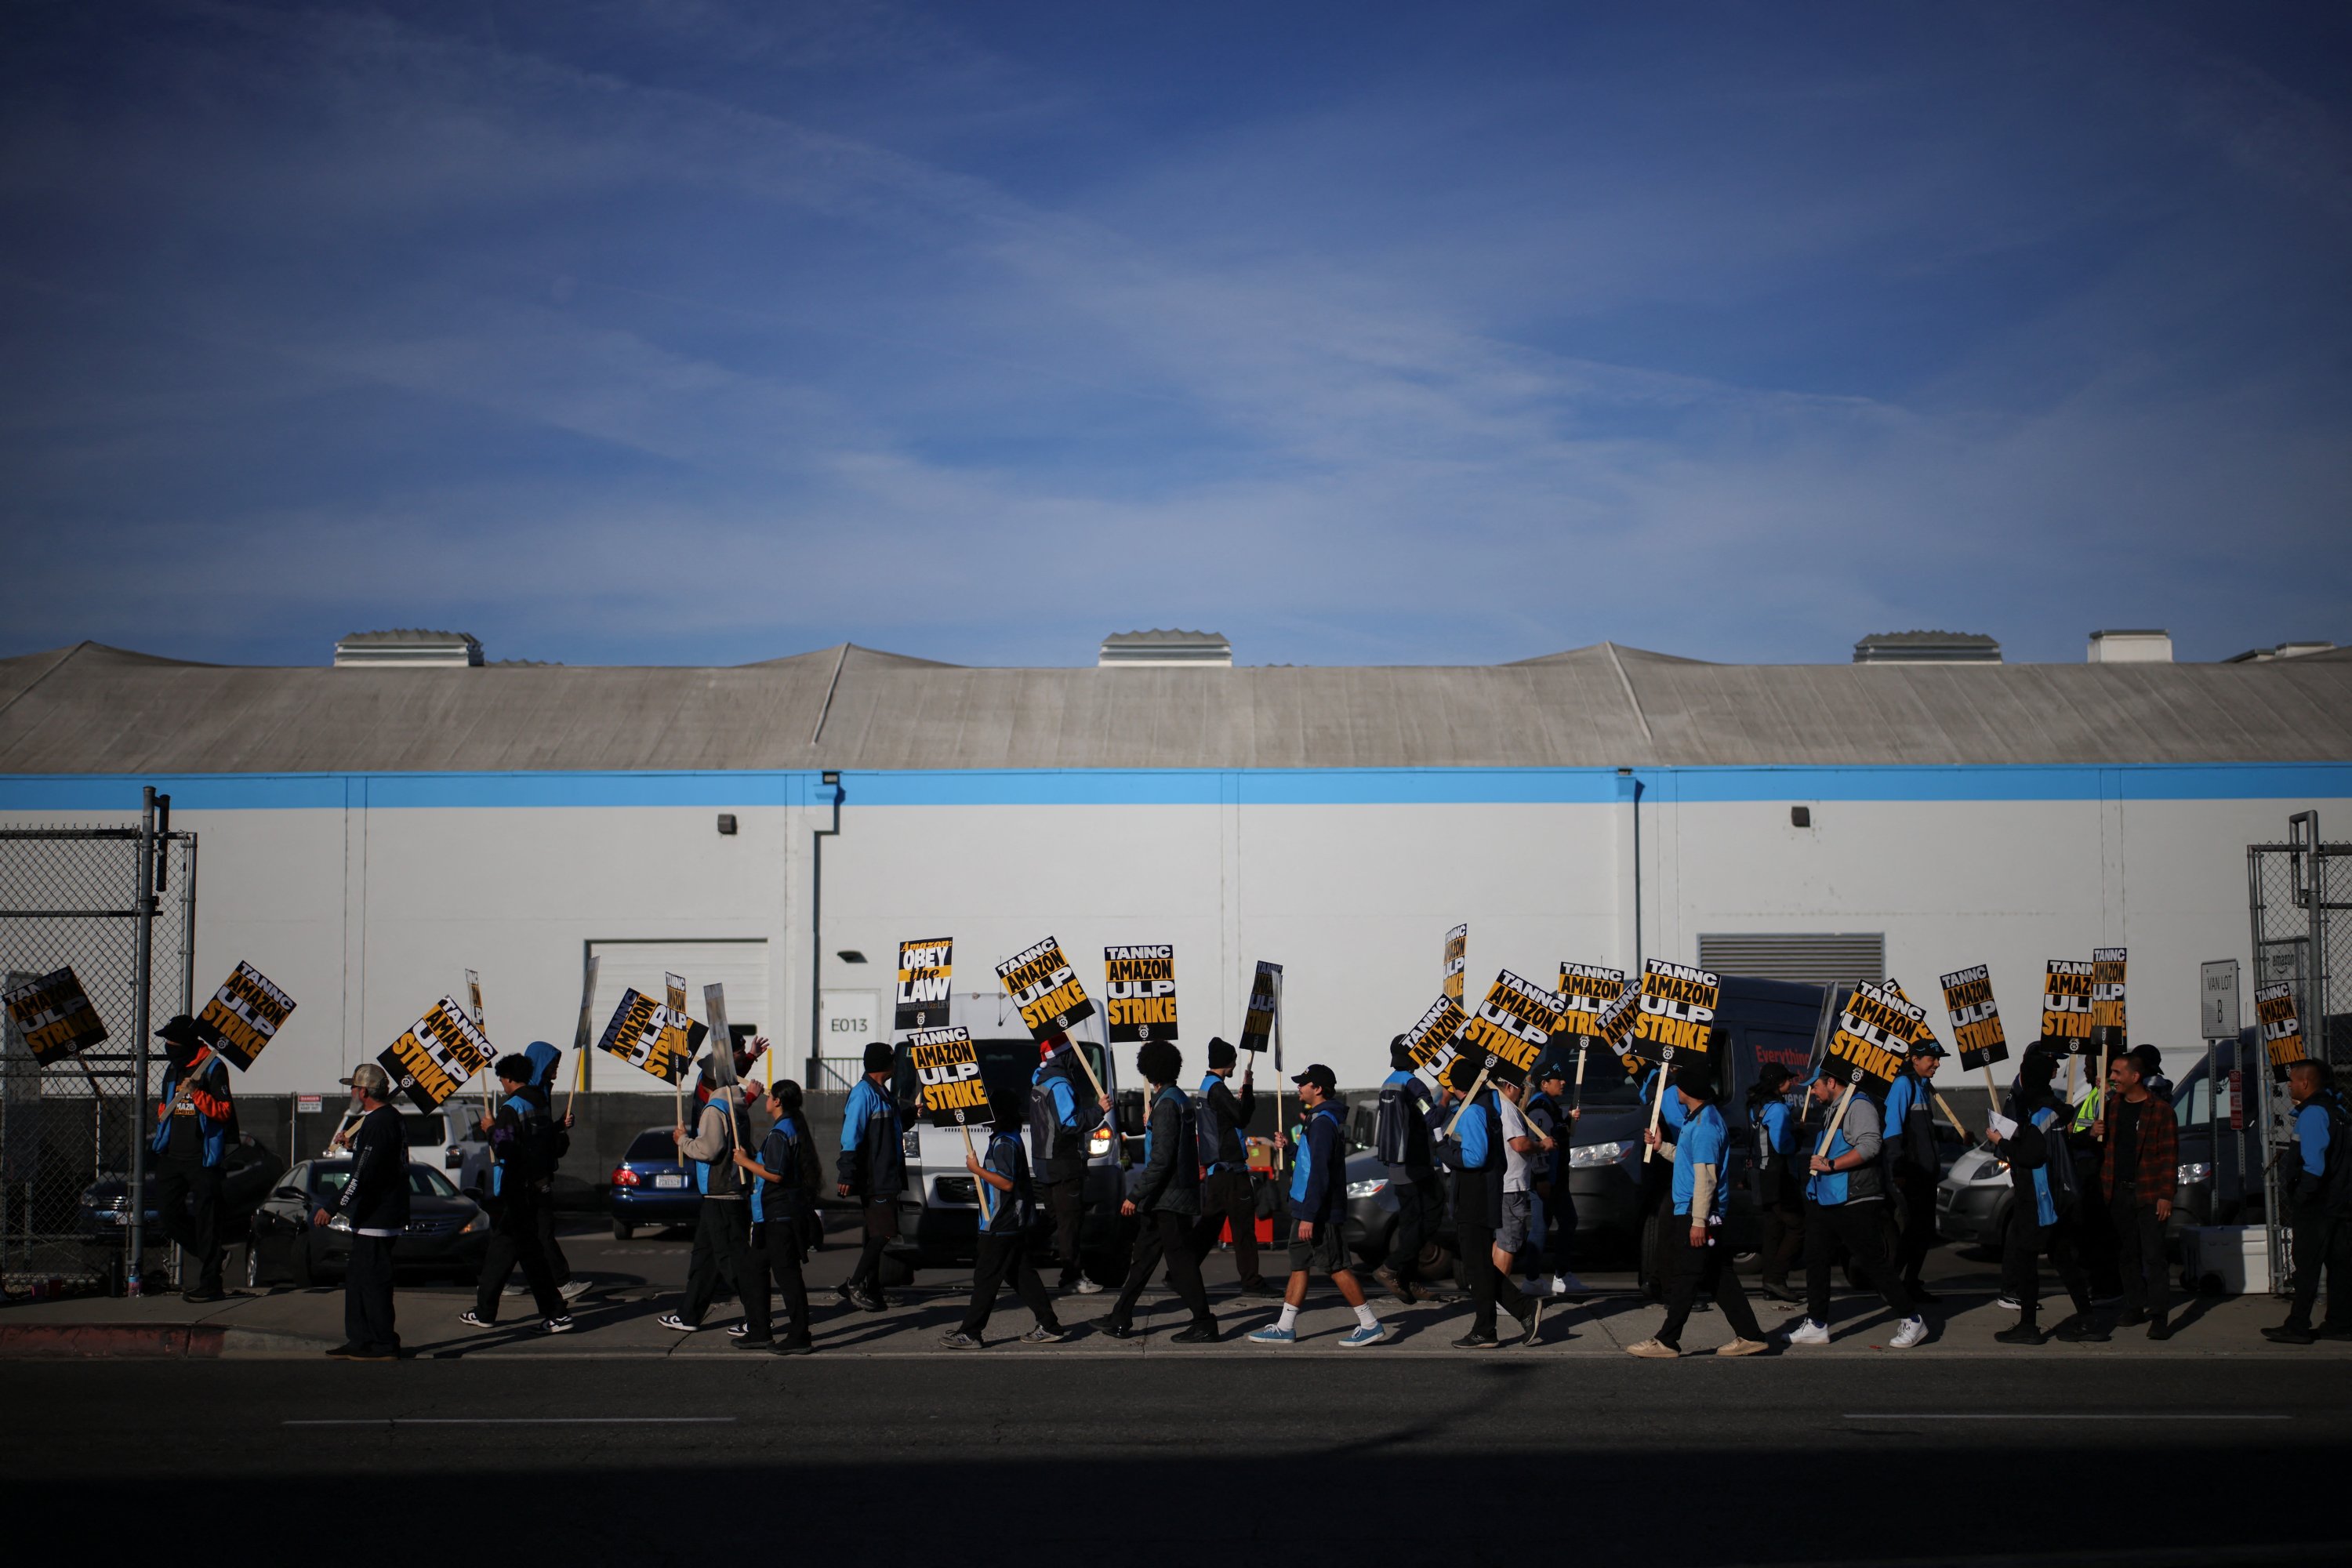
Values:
[(370, 829)]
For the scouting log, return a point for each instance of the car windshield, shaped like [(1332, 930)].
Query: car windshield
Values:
[(654, 1145), (326, 1181)]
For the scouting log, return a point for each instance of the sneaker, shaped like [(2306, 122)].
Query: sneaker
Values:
[(1274, 1335), (847, 1297), (1198, 1334), (1534, 1285), (869, 1299), (2159, 1329), (1477, 1340), (2080, 1331), (2291, 1334), (1386, 1278), (1777, 1290), (474, 1320), (2007, 1304), (1744, 1347), (515, 1287), (211, 1294), (1654, 1350), (559, 1324), (672, 1320), (1810, 1333), (572, 1290), (2019, 1334), (957, 1340), (737, 1331), (1085, 1286), (374, 1353), (1116, 1328), (799, 1346), (1569, 1285), (1364, 1334), (1557, 1286), (1913, 1330), (1534, 1321), (345, 1352), (1044, 1334)]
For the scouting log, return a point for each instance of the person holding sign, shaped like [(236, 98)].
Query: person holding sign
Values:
[(1402, 1139), (1912, 1163), (1168, 1195), (1699, 1193), (1228, 1197), (1058, 1131), (784, 1223), (2319, 1206), (521, 1134), (1554, 1122), (1780, 1192), (1006, 1211), (1479, 1160), (375, 1204), (722, 1224), (2030, 1135), (2138, 1177), (872, 1167), (1845, 1202), (1318, 1217), (195, 1122)]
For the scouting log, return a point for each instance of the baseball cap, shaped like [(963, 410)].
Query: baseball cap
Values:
[(1320, 1077), (1554, 1069), (1930, 1046), (370, 1078), (180, 1031)]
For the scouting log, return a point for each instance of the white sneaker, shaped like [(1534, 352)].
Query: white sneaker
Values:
[(1567, 1285), (572, 1290), (1086, 1287), (2008, 1304), (1362, 1335), (1810, 1333), (1913, 1330), (673, 1322)]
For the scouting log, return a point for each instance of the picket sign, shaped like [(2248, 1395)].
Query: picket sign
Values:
[(1950, 1117), (474, 1006), (674, 994), (1582, 1051), (1838, 1120), (722, 1058), (585, 1036)]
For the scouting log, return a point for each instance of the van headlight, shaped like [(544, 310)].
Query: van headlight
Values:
[(1591, 1156), (910, 1143), (1370, 1188), (2193, 1172)]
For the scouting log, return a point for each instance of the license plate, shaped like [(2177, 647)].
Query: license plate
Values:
[(669, 1181)]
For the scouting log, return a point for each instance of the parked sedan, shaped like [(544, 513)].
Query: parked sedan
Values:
[(652, 1186), (447, 1232)]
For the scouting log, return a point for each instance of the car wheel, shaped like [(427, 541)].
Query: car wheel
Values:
[(1436, 1263), (622, 1230)]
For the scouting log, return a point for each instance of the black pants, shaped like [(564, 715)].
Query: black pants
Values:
[(2020, 1271), (1862, 1227), (367, 1295), (2140, 1258), (2321, 1242), (1005, 1255), (1916, 1231), (1229, 1200), (1066, 1202), (1691, 1269), (1489, 1286), (189, 1199), (1556, 1242), (722, 1244), (1783, 1219), (1657, 1184), (1169, 1237), (1421, 1209), (559, 1267), (514, 1239), (777, 1245), (881, 1222)]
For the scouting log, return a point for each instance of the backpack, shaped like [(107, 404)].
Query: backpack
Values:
[(2058, 1161)]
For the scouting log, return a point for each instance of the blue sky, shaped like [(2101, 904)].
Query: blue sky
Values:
[(703, 333)]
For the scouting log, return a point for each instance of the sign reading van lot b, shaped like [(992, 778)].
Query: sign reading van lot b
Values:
[(439, 1052), (924, 970), (54, 1016), (947, 1072), (1045, 988), (244, 1015), (1140, 994)]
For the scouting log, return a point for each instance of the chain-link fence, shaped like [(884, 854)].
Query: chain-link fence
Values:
[(70, 897), (2299, 894)]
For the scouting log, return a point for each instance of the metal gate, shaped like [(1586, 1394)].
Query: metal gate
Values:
[(2300, 895), (72, 1133)]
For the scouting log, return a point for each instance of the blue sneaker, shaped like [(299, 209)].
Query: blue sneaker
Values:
[(1275, 1334), (1361, 1336)]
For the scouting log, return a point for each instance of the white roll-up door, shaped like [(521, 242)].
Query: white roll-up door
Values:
[(740, 966)]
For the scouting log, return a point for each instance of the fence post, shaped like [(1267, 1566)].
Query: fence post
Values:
[(136, 1203)]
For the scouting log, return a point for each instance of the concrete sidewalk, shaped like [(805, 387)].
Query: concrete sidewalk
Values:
[(617, 1320)]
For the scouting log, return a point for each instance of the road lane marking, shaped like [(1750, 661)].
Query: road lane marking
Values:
[(517, 1421), (2062, 1415)]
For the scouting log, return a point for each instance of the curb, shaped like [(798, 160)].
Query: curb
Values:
[(147, 1341)]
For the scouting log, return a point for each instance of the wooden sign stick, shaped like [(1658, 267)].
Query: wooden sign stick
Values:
[(1582, 1051), (1836, 1120), (1475, 1085), (1991, 1093), (981, 1189), (1956, 1125), (582, 1033), (1657, 1110)]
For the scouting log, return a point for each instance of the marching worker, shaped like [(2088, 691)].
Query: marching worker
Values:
[(722, 1224), (1058, 1133), (1910, 1145), (1228, 1201), (1844, 1201), (1553, 1121), (872, 1167), (1168, 1196), (1779, 1189), (375, 1204), (785, 1177), (2319, 1206), (520, 1132), (1004, 1175), (1401, 1140), (545, 1060), (2048, 1201), (195, 1122), (1657, 1179), (1318, 1217), (1477, 1153), (2138, 1177), (1521, 1149), (1698, 1193)]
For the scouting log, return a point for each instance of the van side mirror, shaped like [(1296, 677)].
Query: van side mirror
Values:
[(1130, 1102)]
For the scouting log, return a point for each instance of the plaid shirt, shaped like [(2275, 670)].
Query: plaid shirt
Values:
[(2160, 1153)]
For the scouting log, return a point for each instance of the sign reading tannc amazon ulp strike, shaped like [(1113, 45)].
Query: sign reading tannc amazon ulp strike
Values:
[(1140, 994), (1045, 988), (1873, 1038), (244, 1015), (1264, 1007), (2275, 1015), (1512, 1026), (924, 968), (439, 1052), (1431, 1041), (1976, 1019), (2107, 1000), (947, 1071), (2067, 1002), (1457, 957), (1678, 1003), (1589, 992), (55, 1016)]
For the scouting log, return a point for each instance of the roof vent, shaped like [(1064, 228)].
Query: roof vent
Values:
[(1926, 647), (2283, 650), (1165, 649), (2131, 648), (407, 649)]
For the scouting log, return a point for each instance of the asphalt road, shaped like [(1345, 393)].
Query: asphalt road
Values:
[(1702, 1462)]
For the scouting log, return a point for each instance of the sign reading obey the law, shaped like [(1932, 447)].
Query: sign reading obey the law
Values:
[(54, 1016), (1589, 991), (2275, 1015), (1678, 1004), (645, 1033), (947, 1072), (1430, 1041), (1140, 994), (1265, 1001), (1873, 1038), (440, 1051), (244, 1015), (2067, 1002), (1045, 988), (924, 971), (2107, 1000), (1512, 1026), (1457, 958), (1976, 1020)]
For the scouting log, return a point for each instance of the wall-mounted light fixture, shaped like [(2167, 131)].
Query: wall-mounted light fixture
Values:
[(1800, 816), (850, 955), (726, 825)]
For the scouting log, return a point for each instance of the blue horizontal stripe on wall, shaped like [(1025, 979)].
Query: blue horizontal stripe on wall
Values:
[(84, 794)]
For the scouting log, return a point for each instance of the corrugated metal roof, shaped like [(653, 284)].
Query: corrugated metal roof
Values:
[(93, 709)]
